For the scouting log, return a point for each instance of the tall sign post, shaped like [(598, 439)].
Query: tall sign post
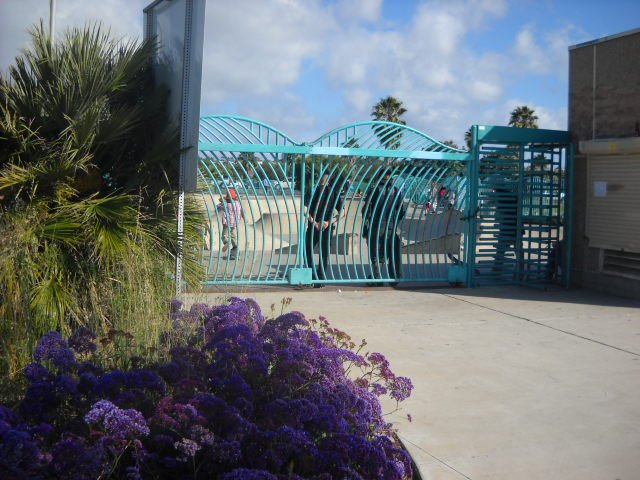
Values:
[(178, 27)]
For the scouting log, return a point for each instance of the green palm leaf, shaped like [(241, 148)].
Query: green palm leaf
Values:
[(87, 188)]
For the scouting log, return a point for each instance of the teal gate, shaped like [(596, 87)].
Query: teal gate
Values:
[(369, 202), (376, 202), (522, 217)]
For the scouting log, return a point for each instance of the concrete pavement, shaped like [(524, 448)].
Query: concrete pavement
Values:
[(510, 383)]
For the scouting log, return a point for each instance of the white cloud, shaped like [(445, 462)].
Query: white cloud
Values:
[(482, 90), (545, 52), (487, 9), (289, 115), (123, 17), (552, 118), (359, 99), (257, 51), (261, 53), (533, 57), (366, 10), (438, 30), (426, 65)]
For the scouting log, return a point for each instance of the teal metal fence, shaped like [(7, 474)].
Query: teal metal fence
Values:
[(368, 202), (376, 202), (522, 222)]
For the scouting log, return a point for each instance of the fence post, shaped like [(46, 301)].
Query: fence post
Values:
[(301, 275), (568, 218), (473, 206)]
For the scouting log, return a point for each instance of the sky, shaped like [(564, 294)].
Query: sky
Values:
[(309, 66)]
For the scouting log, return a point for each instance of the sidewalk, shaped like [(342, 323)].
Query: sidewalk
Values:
[(510, 383)]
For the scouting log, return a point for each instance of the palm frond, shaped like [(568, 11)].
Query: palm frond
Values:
[(87, 187), (50, 303), (62, 230)]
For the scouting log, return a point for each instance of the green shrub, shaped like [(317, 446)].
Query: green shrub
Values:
[(87, 193)]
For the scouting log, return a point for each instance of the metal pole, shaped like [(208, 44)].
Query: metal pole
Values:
[(52, 20), (473, 170), (302, 223), (568, 215)]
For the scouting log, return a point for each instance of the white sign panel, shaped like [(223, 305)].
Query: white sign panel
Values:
[(599, 189)]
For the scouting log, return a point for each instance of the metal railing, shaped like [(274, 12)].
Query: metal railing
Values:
[(374, 186), (381, 202)]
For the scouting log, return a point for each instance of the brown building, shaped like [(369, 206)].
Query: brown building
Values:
[(604, 121)]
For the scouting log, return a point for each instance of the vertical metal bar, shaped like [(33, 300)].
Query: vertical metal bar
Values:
[(472, 190), (207, 183), (518, 241), (241, 236), (52, 21), (256, 257), (286, 188), (302, 219), (375, 227), (180, 227), (568, 215)]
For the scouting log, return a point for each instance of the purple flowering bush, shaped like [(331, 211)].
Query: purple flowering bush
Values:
[(238, 397)]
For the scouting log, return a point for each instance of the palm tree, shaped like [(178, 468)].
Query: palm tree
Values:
[(87, 184), (468, 138), (523, 117), (389, 109)]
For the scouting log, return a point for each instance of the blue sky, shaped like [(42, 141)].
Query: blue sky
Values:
[(307, 66)]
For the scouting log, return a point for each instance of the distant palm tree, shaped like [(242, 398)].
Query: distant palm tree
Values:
[(523, 117), (389, 109), (468, 138)]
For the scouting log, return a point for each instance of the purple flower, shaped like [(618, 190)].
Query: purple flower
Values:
[(244, 398), (176, 305), (187, 448), (126, 423), (248, 474), (226, 452), (378, 389), (53, 347), (202, 435), (133, 473), (40, 401), (82, 341), (72, 458), (87, 383), (41, 430), (98, 411), (401, 388), (199, 311), (116, 421), (7, 416), (19, 454), (66, 384), (113, 383), (34, 372), (377, 358), (341, 355), (290, 320), (236, 311)]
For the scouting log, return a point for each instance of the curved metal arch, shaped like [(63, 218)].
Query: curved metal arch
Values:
[(234, 129), (371, 135), (382, 135)]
